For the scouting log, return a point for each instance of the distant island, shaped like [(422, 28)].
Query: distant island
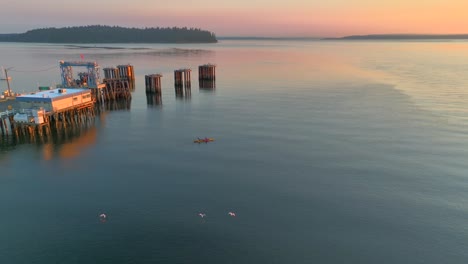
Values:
[(112, 34), (402, 37)]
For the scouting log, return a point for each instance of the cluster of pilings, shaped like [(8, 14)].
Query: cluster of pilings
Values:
[(119, 83), (111, 73), (207, 72), (153, 83), (182, 82), (126, 71), (117, 89), (207, 76), (53, 123), (120, 72), (182, 78)]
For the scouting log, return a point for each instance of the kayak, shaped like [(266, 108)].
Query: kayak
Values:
[(203, 140)]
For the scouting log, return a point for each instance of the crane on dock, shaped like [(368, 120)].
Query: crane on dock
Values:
[(91, 78)]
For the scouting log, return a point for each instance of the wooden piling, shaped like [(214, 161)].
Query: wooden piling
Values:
[(111, 73), (1, 126), (153, 83), (207, 72), (126, 71), (182, 78), (182, 82)]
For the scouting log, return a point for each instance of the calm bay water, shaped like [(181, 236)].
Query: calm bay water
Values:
[(328, 152)]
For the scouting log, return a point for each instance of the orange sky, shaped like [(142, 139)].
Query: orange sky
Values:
[(248, 17)]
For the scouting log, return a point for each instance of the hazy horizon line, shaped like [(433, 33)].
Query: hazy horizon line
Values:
[(340, 37)]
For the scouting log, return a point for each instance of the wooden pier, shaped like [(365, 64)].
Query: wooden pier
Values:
[(71, 117), (72, 106)]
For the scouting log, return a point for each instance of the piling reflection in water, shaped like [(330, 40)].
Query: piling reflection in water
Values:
[(183, 93), (153, 99), (208, 85), (118, 105)]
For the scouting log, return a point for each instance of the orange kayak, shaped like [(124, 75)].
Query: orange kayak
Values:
[(203, 140)]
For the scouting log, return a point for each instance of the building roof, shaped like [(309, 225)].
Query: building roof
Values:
[(50, 95)]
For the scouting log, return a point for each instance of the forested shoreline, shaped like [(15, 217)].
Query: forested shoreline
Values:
[(112, 34)]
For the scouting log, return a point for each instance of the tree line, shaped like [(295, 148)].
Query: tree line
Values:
[(113, 34)]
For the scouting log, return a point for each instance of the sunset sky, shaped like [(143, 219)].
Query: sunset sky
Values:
[(246, 17)]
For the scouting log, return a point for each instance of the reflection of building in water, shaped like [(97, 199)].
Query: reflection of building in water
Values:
[(70, 143), (65, 142), (153, 99)]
